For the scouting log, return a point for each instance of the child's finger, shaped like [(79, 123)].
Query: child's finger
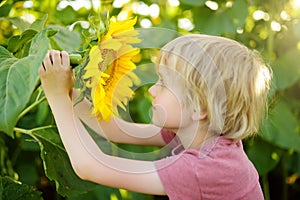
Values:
[(47, 63), (56, 59), (65, 61), (42, 70)]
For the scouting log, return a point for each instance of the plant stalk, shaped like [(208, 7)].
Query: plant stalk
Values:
[(265, 184), (30, 107)]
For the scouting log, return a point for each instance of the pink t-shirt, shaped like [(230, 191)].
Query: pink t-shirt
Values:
[(220, 169)]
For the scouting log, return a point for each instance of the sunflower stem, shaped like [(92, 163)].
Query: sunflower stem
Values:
[(30, 131), (37, 102), (21, 130)]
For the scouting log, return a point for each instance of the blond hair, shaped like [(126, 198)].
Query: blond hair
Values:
[(222, 77)]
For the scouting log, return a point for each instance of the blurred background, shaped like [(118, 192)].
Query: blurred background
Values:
[(29, 156)]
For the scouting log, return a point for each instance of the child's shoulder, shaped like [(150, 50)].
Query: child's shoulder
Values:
[(219, 148), (218, 167), (222, 149)]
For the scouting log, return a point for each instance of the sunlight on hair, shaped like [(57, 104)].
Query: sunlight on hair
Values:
[(263, 76)]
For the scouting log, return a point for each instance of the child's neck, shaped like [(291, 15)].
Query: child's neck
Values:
[(193, 137)]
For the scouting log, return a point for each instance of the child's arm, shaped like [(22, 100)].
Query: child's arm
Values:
[(88, 161), (118, 130), (91, 164)]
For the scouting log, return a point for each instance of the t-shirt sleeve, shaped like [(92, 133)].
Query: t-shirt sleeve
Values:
[(179, 177), (167, 135), (170, 138)]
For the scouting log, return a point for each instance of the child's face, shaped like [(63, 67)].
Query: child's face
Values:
[(167, 94)]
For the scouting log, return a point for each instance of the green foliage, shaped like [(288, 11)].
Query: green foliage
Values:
[(27, 125), (13, 190), (25, 71), (57, 165), (264, 155), (291, 76), (225, 20)]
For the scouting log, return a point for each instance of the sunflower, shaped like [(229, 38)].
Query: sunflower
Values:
[(109, 71)]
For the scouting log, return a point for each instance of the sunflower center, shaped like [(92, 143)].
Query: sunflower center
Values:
[(108, 65), (109, 56)]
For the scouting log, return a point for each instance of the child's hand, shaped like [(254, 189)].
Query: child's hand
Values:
[(56, 75)]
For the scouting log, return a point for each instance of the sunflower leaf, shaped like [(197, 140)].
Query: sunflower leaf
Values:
[(11, 189), (57, 165), (18, 78)]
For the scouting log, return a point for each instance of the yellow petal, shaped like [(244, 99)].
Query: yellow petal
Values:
[(121, 26), (111, 44), (95, 55), (109, 71)]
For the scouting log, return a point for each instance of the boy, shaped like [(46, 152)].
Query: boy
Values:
[(211, 93)]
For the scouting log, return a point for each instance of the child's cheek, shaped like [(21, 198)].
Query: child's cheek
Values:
[(159, 115)]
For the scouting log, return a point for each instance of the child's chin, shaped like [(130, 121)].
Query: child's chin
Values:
[(157, 122)]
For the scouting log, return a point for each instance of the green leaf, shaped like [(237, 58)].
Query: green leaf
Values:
[(28, 166), (287, 69), (292, 162), (193, 2), (65, 39), (5, 9), (15, 43), (13, 190), (4, 54), (66, 15), (146, 73), (99, 193), (224, 20), (281, 128), (18, 22), (6, 167), (263, 155), (144, 106), (162, 36), (40, 44), (18, 78), (57, 165), (28, 144), (39, 24), (15, 82)]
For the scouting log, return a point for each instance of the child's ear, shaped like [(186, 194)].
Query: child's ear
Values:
[(199, 115)]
